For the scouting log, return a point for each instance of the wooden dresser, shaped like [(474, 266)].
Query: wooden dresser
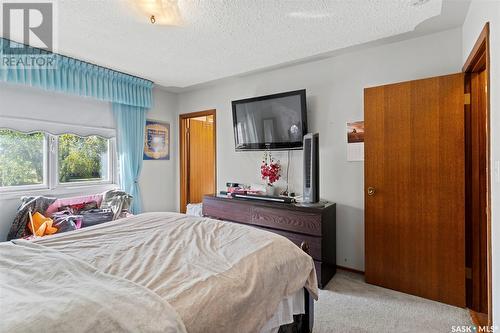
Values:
[(315, 227)]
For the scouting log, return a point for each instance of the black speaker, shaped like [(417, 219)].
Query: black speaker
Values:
[(311, 168)]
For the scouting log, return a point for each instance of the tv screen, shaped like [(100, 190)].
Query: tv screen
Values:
[(276, 121)]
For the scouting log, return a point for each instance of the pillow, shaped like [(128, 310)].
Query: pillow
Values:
[(96, 216), (117, 201), (19, 227), (54, 207)]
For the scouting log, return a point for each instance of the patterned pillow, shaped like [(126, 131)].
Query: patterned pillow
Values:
[(19, 228)]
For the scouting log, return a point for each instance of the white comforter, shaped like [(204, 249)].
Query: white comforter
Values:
[(43, 290), (218, 276)]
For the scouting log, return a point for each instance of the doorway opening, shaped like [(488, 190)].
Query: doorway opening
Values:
[(477, 181), (197, 140)]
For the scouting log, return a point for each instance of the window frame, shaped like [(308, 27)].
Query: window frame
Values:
[(51, 169), (55, 170), (45, 184)]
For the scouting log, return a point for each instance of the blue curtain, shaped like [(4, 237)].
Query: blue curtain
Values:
[(130, 123), (77, 77), (130, 96)]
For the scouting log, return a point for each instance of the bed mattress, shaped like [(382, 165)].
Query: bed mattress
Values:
[(218, 276), (44, 290)]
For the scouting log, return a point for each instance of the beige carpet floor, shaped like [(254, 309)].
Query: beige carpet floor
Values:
[(348, 304)]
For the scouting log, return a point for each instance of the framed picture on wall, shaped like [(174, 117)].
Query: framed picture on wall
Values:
[(356, 131), (355, 141), (156, 140)]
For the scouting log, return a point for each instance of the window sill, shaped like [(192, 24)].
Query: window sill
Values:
[(61, 191)]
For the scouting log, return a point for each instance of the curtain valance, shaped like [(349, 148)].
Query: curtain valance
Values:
[(77, 77), (27, 125)]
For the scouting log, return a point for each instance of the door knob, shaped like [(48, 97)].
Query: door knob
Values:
[(370, 190)]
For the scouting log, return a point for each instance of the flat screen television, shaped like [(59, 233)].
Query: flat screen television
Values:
[(277, 122)]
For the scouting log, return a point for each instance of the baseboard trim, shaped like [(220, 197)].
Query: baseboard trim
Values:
[(352, 270)]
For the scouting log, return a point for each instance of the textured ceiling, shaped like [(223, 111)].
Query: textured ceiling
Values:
[(221, 38)]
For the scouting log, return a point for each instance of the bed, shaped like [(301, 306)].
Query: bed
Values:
[(207, 275)]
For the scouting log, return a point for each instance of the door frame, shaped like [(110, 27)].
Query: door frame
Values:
[(478, 59), (184, 153)]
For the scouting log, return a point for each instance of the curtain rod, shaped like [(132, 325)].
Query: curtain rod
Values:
[(88, 62)]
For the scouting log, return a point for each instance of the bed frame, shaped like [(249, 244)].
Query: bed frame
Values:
[(302, 323)]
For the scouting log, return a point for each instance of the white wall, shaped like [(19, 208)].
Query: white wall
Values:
[(335, 96), (157, 178), (479, 13)]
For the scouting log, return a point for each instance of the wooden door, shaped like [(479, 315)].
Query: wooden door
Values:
[(414, 180), (197, 143), (201, 158)]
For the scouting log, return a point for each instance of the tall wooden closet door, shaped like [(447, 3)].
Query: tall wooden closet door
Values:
[(201, 158), (414, 188)]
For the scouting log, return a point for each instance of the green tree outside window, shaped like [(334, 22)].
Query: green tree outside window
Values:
[(79, 158)]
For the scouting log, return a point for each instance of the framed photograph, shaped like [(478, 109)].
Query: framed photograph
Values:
[(355, 141), (156, 140), (356, 132)]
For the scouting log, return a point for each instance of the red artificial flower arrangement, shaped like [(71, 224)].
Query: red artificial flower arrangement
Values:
[(270, 170)]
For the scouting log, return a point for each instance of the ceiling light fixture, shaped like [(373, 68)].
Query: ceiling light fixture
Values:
[(163, 12)]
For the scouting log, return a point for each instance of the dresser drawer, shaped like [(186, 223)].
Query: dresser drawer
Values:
[(314, 243), (229, 211), (287, 220)]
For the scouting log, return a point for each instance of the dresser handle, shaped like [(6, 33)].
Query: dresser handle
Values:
[(304, 246)]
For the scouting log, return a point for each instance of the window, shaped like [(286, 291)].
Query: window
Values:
[(82, 159), (46, 161), (21, 158)]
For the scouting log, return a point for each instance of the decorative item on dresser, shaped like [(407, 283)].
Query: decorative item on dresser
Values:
[(308, 227), (270, 172)]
